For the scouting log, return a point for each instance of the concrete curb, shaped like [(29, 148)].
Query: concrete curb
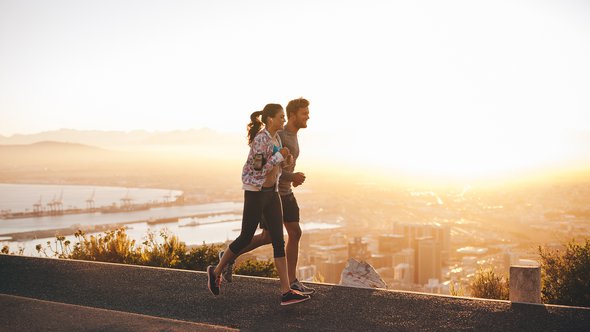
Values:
[(252, 304)]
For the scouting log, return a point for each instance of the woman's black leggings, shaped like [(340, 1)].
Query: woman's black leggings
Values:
[(257, 204)]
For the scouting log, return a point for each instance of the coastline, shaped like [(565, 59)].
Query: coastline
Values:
[(69, 231)]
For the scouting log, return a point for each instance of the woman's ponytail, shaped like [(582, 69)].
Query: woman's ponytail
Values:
[(254, 126), (269, 111)]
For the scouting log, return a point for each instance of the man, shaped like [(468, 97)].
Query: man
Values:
[(297, 116)]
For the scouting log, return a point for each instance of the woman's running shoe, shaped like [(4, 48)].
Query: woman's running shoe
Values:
[(213, 282), (292, 297)]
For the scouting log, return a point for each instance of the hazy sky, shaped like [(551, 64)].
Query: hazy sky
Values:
[(462, 85)]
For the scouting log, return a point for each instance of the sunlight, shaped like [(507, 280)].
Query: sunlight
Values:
[(447, 152)]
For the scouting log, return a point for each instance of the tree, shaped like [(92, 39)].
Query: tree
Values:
[(489, 285), (566, 274)]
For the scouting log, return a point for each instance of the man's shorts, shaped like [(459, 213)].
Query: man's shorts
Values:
[(290, 210)]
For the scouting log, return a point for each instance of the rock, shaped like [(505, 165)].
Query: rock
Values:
[(361, 274)]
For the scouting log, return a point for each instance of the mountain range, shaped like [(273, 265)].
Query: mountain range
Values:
[(108, 139)]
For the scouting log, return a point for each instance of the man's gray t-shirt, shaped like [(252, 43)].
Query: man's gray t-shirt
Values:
[(289, 141)]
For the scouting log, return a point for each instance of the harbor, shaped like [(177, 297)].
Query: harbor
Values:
[(194, 224)]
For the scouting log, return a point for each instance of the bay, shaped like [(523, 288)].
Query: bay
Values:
[(90, 219), (211, 222), (22, 197)]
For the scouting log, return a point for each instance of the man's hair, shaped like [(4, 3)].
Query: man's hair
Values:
[(294, 105)]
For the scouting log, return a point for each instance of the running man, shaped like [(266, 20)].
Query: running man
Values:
[(297, 116)]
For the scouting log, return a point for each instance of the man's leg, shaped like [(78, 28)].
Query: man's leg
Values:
[(291, 221), (292, 250)]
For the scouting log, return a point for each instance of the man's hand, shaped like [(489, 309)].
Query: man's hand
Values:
[(298, 179), (285, 152), (288, 161)]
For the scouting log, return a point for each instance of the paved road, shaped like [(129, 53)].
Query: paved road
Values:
[(252, 304), (24, 314)]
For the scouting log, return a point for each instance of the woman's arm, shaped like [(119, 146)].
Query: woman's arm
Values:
[(262, 144)]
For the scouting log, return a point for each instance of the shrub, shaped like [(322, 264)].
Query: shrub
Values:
[(318, 277), (171, 253), (489, 285), (6, 250), (200, 257), (456, 289), (566, 275), (116, 246), (253, 267)]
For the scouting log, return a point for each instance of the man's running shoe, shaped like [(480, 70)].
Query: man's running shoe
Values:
[(292, 297), (301, 288), (213, 282), (228, 271)]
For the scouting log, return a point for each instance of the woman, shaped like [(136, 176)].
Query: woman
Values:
[(261, 198)]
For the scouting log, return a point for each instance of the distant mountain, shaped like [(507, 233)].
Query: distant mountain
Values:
[(52, 153), (56, 145), (109, 139)]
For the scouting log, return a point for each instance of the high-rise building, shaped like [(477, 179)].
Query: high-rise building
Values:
[(428, 264), (358, 249), (431, 243), (442, 234), (331, 270), (306, 273), (381, 261), (432, 286), (410, 231), (391, 243), (406, 257), (403, 273)]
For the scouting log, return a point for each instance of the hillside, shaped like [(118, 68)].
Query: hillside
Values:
[(50, 154), (134, 138)]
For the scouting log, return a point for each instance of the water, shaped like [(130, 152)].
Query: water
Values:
[(195, 235), (222, 226), (22, 197), (89, 219)]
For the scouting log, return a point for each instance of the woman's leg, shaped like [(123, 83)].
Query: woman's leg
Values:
[(253, 207), (257, 241), (273, 213)]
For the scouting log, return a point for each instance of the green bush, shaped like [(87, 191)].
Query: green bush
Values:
[(200, 257), (566, 275), (165, 250), (253, 267), (114, 247), (171, 253), (489, 285), (456, 289)]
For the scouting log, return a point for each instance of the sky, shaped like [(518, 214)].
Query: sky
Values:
[(454, 87)]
